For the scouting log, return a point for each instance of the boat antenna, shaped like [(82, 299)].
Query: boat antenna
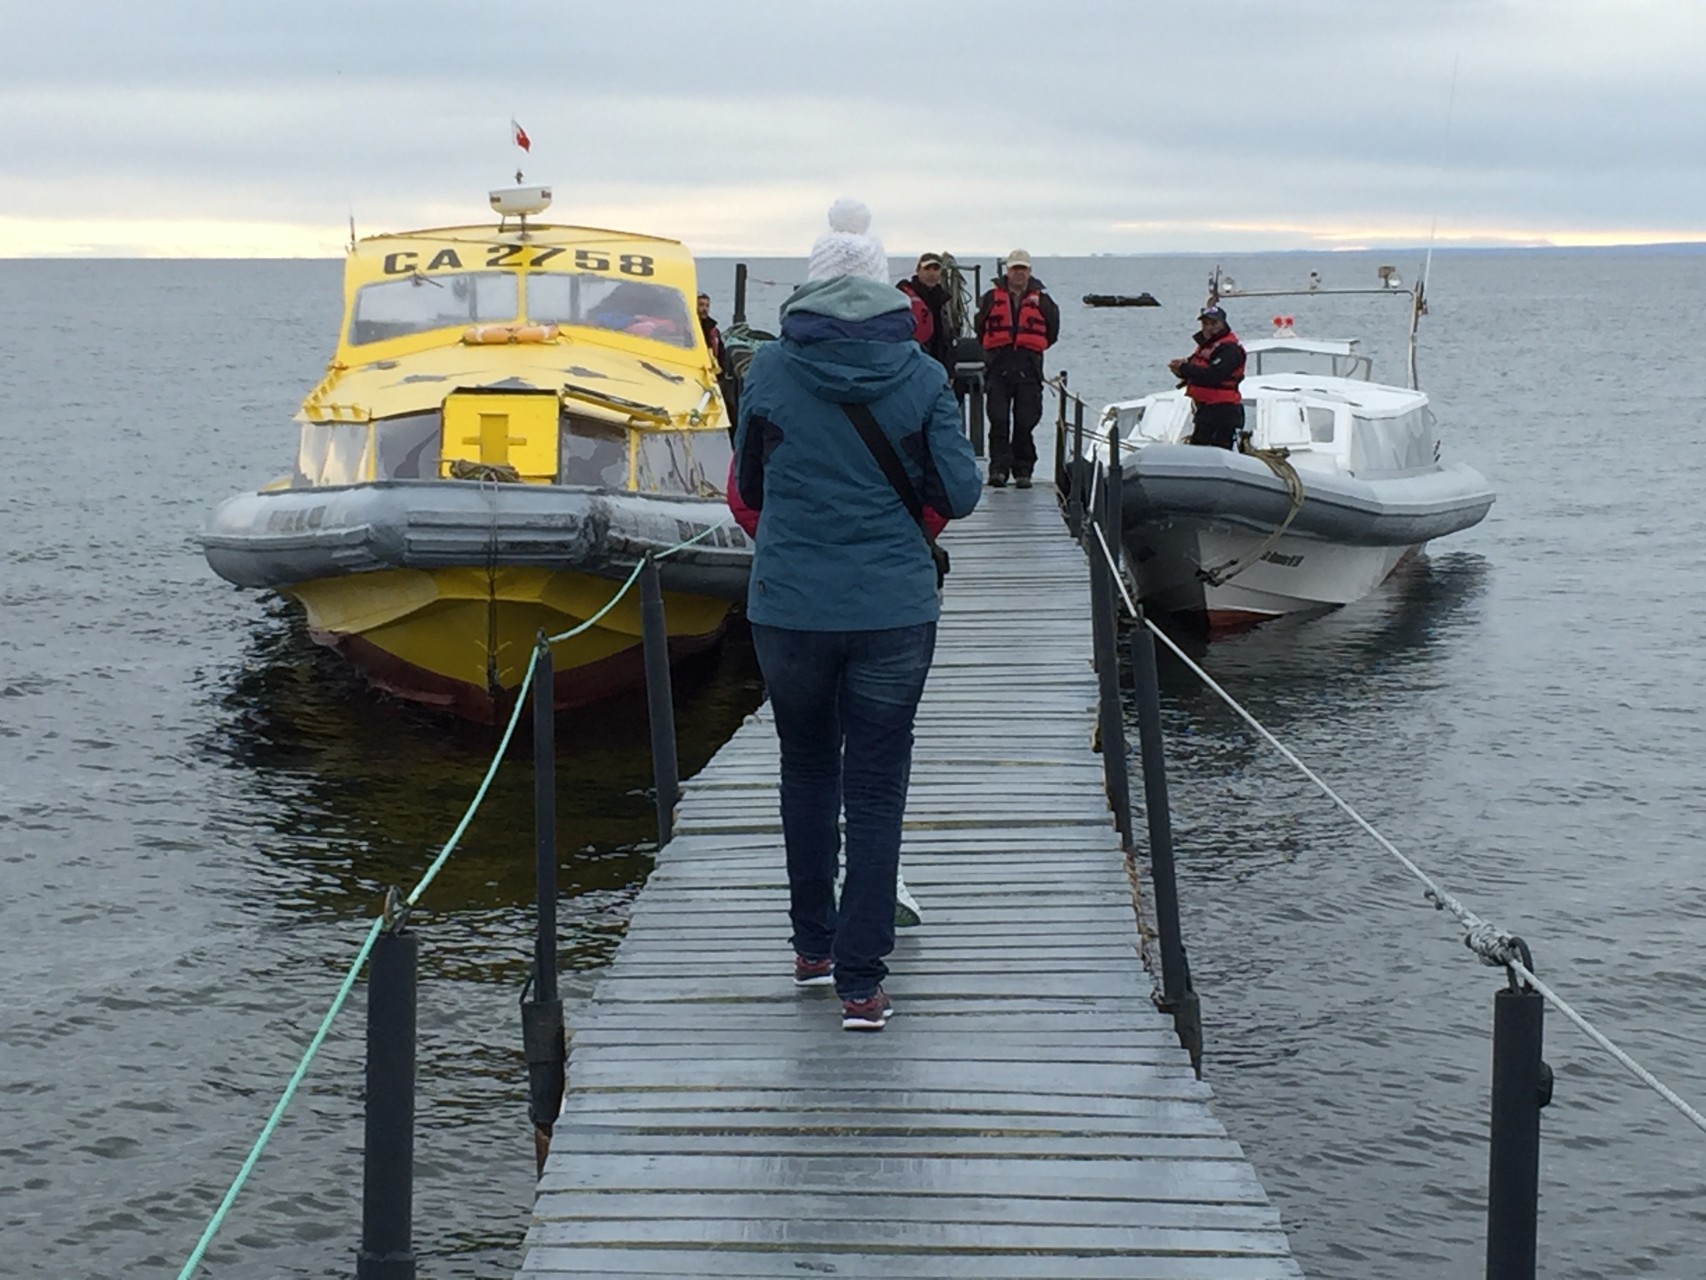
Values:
[(1420, 308), (352, 230)]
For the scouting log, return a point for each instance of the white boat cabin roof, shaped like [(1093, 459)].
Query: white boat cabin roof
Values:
[(1366, 399), (1307, 346)]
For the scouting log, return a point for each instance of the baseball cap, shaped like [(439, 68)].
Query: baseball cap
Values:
[(1018, 258), (1211, 313)]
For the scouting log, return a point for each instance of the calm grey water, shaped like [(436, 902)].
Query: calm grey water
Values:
[(198, 809)]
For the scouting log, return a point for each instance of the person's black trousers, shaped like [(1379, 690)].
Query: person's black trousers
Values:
[(1014, 408), (1217, 424)]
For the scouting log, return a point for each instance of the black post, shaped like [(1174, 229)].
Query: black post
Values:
[(1104, 613), (740, 294), (974, 397), (660, 701), (542, 1015), (1060, 476), (1075, 474), (1114, 522), (1522, 1085), (388, 1157), (1177, 997)]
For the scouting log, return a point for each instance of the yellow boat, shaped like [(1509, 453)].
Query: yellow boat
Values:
[(514, 416)]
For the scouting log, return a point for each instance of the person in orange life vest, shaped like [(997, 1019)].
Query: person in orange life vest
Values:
[(1016, 322), (1211, 376), (929, 298)]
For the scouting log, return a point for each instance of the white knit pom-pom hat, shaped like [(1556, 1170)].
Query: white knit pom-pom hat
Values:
[(845, 249)]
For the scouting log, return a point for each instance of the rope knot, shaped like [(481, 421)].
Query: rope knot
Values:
[(1495, 947)]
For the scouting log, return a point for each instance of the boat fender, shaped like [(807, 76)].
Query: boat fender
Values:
[(489, 335)]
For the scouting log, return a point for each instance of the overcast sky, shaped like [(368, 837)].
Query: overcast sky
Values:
[(223, 128)]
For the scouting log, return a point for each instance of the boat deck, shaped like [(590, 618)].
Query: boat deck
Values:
[(1027, 1113)]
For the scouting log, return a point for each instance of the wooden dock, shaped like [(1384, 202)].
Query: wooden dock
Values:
[(1027, 1113)]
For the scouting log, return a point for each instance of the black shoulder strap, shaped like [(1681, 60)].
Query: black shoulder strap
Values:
[(865, 423)]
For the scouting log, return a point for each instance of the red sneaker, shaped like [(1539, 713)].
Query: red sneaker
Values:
[(813, 973), (869, 1014)]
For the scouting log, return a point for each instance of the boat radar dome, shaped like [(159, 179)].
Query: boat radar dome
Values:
[(514, 202)]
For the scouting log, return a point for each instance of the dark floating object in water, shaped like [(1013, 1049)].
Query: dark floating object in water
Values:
[(1120, 300)]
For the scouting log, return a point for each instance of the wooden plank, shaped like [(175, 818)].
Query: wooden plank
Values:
[(877, 1206), (725, 1264), (1197, 1182)]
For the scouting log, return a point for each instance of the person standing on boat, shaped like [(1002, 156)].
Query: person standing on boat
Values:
[(1211, 376), (1016, 322), (929, 299), (727, 382), (713, 336), (843, 597)]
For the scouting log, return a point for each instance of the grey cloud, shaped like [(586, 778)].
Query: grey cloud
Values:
[(1003, 119)]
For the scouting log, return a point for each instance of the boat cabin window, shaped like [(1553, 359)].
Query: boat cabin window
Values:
[(1321, 419), (593, 453), (420, 303), (1281, 360), (652, 311), (693, 462), (1164, 420)]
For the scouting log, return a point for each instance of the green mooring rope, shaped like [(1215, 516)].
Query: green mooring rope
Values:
[(366, 949)]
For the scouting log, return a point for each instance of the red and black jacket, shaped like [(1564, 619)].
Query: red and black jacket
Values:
[(1213, 371)]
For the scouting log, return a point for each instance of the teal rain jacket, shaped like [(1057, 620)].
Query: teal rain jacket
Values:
[(836, 548)]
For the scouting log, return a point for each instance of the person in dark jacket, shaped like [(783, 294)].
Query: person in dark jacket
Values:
[(842, 597), (713, 336), (1211, 376), (727, 382), (929, 299), (1016, 322)]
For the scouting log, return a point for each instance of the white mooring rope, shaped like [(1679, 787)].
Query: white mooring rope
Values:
[(1495, 946)]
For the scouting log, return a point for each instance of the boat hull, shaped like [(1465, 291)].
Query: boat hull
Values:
[(438, 590), (1187, 511), (1292, 576), (461, 639)]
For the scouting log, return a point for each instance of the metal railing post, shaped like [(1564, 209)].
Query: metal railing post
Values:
[(739, 316), (1110, 724), (1522, 1085), (1075, 473), (974, 396), (1114, 523), (1177, 997), (660, 700), (388, 1154), (1060, 476), (542, 1015)]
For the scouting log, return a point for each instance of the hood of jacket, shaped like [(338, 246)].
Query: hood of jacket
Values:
[(847, 340)]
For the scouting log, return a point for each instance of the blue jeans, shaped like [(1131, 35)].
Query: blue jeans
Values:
[(844, 703)]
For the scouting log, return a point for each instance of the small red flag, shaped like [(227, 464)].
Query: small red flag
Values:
[(521, 138)]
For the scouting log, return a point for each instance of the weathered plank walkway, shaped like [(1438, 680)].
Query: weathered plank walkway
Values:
[(1027, 1113)]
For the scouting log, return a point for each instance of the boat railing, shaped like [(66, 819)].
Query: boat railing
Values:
[(1089, 477)]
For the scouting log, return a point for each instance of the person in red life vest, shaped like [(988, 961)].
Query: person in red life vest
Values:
[(1211, 376), (1016, 322), (929, 298)]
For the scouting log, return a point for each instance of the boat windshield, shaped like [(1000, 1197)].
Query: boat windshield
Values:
[(652, 311), (419, 303)]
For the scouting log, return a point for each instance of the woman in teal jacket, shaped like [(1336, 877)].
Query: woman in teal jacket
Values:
[(843, 599)]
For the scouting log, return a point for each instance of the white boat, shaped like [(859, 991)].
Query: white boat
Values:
[(1338, 481)]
